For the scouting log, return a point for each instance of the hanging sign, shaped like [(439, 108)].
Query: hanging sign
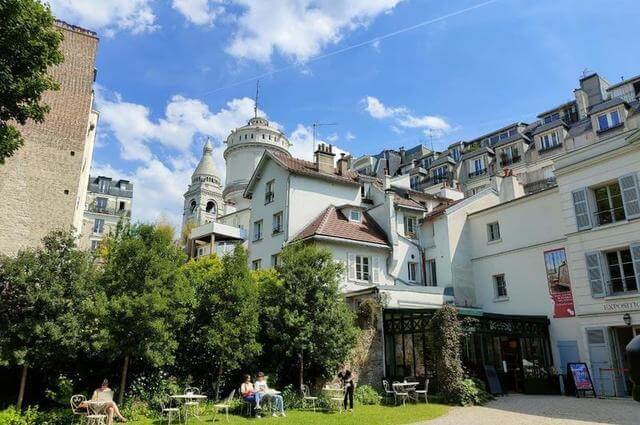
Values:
[(555, 262)]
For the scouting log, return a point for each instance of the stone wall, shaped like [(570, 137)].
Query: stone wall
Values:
[(39, 184)]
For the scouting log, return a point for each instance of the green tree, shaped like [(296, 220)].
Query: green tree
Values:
[(146, 296), (304, 317), (29, 45), (44, 298), (221, 333)]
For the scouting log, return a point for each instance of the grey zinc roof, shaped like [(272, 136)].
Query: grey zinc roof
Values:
[(205, 167), (442, 160), (621, 83), (477, 152), (569, 103), (606, 105), (548, 126), (511, 139), (580, 127)]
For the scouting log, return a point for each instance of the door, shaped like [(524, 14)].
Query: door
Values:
[(512, 360), (623, 336), (600, 361)]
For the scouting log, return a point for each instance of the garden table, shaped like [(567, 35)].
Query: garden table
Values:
[(189, 397), (409, 388), (335, 395)]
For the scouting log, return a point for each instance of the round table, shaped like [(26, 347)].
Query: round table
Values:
[(187, 398), (408, 387)]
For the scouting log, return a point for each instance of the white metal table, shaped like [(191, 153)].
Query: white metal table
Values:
[(409, 388), (186, 398)]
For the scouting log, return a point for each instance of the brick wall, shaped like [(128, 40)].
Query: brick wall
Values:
[(33, 182)]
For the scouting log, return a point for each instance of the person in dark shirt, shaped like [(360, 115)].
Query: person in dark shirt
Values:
[(348, 385)]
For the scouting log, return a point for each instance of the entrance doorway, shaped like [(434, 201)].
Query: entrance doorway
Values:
[(512, 363), (622, 337)]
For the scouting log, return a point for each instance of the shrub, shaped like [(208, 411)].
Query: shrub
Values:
[(292, 398), (61, 390), (366, 394), (11, 416), (153, 388), (474, 392), (136, 409)]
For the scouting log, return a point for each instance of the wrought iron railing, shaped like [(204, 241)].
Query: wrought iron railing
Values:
[(508, 161), (613, 215), (477, 173)]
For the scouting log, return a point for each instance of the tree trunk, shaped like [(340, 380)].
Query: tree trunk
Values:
[(123, 379), (23, 384), (301, 382), (218, 383)]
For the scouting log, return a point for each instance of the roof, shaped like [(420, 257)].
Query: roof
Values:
[(442, 160), (511, 139), (623, 82), (407, 202), (554, 109), (506, 127), (332, 223), (548, 126), (607, 104), (440, 209), (308, 168), (482, 150), (205, 167)]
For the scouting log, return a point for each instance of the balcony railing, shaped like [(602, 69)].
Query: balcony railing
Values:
[(545, 149), (477, 173), (622, 286), (613, 215), (106, 210), (508, 161)]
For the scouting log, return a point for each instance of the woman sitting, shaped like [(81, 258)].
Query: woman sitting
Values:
[(267, 393), (104, 398), (249, 394)]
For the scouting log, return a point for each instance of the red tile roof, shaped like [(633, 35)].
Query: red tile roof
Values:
[(308, 168), (331, 222), (441, 208)]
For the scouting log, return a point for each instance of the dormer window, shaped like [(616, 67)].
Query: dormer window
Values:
[(355, 216), (549, 141), (410, 225), (608, 120), (268, 192)]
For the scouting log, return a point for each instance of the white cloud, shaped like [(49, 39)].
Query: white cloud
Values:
[(350, 136), (199, 12), (107, 16), (403, 118), (298, 28), (302, 143)]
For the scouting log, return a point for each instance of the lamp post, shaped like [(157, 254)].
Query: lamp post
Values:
[(627, 319)]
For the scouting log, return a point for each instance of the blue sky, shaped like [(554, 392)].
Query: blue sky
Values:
[(171, 72)]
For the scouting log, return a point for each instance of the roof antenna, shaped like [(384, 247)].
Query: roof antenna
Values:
[(255, 103), (315, 126)]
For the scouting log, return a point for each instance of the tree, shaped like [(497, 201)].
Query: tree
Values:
[(29, 44), (146, 296), (44, 297), (221, 333), (305, 320), (446, 332)]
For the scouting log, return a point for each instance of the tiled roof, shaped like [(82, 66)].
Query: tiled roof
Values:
[(308, 168), (441, 208), (407, 202), (331, 222)]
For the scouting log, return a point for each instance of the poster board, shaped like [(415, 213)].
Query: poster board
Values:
[(559, 283), (492, 380), (579, 379)]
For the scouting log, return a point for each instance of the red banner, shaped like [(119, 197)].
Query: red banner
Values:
[(555, 262)]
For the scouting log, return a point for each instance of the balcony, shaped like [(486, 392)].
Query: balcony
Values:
[(549, 148), (622, 286), (509, 161), (477, 173), (108, 211), (613, 215)]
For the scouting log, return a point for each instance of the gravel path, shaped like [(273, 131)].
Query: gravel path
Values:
[(546, 410)]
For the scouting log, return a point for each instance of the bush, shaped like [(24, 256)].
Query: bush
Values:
[(136, 409), (11, 416), (474, 392), (366, 394), (292, 398), (153, 389), (61, 390)]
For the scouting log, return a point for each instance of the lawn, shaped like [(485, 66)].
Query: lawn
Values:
[(363, 415)]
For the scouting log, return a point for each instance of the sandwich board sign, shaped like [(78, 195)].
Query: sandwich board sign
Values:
[(580, 379)]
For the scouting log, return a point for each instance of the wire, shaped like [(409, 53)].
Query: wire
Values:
[(353, 46)]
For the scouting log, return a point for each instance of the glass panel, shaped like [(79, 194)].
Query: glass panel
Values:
[(602, 122), (408, 356), (615, 118)]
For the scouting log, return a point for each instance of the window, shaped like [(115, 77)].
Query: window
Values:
[(410, 226), (493, 231), (98, 226), (500, 286), (94, 245), (414, 182), (622, 276), (277, 223), (122, 206), (101, 203), (608, 202), (412, 271), (553, 117), (355, 215), (193, 207), (257, 230), (275, 259), (608, 120), (455, 154), (256, 264), (510, 155), (432, 277), (549, 141), (268, 192), (211, 207), (362, 268), (103, 185)]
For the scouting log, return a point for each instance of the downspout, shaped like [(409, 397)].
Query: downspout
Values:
[(286, 208)]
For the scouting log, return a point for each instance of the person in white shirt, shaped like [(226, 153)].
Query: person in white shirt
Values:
[(261, 387)]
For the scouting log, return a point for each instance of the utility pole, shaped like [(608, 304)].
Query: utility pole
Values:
[(255, 103)]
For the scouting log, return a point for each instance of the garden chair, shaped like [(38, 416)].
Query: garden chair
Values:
[(224, 406), (244, 404), (388, 392), (399, 393), (95, 415), (306, 397), (169, 410), (78, 411), (192, 405), (424, 392)]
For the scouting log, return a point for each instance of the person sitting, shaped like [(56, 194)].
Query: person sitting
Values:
[(249, 394), (267, 393), (104, 396)]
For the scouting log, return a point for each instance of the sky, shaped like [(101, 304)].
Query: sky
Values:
[(388, 73)]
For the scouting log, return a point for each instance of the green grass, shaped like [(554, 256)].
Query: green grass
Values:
[(363, 415)]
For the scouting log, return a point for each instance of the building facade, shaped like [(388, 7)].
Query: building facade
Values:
[(108, 203), (43, 185)]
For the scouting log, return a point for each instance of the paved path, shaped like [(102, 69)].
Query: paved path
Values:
[(544, 410)]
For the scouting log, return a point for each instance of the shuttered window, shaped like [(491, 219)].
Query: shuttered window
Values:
[(630, 195), (595, 274), (581, 207)]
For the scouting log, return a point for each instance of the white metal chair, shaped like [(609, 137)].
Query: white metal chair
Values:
[(424, 392), (399, 393), (306, 397), (191, 406), (96, 415), (169, 410), (224, 406), (81, 412), (388, 392)]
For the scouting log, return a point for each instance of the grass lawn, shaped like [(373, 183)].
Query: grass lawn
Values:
[(363, 415)]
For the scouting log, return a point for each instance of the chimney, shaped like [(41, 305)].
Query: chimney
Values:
[(510, 187), (582, 100), (324, 159), (344, 163)]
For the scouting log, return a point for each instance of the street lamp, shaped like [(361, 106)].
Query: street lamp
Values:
[(627, 319)]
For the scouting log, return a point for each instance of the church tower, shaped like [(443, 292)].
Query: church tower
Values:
[(203, 201)]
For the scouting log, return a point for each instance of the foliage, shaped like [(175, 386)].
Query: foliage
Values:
[(146, 296), (446, 338), (220, 334), (154, 388), (45, 297), (474, 392), (292, 398), (305, 321), (368, 313), (28, 47), (366, 395), (137, 409), (32, 416), (61, 391)]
